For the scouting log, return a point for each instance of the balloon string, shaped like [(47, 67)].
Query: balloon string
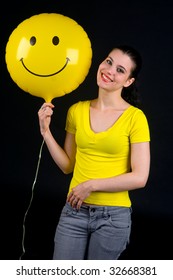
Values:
[(32, 193)]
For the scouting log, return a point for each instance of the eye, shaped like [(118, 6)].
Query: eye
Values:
[(120, 70), (55, 40), (109, 61), (32, 40)]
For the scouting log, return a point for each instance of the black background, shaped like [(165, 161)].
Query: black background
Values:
[(146, 25)]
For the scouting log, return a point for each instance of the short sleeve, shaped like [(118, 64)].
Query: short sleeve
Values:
[(139, 128), (70, 120)]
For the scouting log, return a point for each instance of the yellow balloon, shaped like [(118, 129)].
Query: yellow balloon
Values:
[(48, 55)]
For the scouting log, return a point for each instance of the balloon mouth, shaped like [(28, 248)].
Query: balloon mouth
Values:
[(48, 75)]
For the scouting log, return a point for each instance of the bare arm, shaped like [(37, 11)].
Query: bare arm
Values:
[(137, 178), (63, 157)]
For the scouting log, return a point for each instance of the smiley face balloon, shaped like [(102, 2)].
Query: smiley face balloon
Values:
[(48, 55)]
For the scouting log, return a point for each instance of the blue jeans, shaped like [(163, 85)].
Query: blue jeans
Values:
[(92, 233)]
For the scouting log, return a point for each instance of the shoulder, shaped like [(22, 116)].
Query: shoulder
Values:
[(136, 118), (136, 112), (138, 126), (80, 105)]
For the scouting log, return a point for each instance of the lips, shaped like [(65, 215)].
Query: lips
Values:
[(106, 78)]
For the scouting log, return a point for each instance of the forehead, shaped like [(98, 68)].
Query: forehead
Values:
[(121, 58)]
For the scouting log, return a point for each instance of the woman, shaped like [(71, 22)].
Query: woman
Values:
[(107, 149)]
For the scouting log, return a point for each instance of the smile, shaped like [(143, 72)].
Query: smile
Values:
[(48, 75), (106, 78)]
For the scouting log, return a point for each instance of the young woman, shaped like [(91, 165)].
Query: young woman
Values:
[(107, 149)]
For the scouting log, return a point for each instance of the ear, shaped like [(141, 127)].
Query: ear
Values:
[(129, 82)]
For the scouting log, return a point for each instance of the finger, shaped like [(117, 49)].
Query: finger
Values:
[(47, 105), (74, 203), (70, 195), (79, 204)]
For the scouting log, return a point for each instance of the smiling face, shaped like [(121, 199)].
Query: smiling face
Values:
[(114, 72), (48, 55)]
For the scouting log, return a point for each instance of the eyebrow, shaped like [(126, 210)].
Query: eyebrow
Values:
[(118, 65)]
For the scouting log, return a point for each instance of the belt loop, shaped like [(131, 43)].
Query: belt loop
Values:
[(105, 211)]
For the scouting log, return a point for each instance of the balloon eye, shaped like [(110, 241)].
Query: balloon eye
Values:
[(55, 40), (32, 40)]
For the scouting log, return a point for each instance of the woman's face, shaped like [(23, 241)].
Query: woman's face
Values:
[(114, 72)]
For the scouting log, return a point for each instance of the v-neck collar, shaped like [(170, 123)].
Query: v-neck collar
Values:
[(107, 130)]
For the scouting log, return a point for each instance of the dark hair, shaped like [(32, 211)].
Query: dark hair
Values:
[(130, 93)]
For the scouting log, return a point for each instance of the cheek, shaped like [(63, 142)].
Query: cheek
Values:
[(121, 78), (98, 74)]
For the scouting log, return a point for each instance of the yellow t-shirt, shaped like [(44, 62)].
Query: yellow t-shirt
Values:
[(105, 154)]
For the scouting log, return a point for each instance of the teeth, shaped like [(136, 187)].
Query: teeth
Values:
[(106, 78)]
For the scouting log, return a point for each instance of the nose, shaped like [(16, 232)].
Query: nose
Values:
[(110, 70)]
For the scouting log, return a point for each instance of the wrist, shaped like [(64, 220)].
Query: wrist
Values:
[(92, 185), (45, 134)]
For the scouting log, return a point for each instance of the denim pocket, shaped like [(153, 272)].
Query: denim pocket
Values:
[(120, 218), (68, 210)]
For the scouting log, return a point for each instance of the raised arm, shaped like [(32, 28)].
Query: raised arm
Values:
[(63, 157)]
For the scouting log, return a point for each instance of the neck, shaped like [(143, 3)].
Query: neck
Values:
[(109, 100)]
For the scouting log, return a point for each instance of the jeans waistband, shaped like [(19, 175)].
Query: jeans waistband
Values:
[(97, 207)]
